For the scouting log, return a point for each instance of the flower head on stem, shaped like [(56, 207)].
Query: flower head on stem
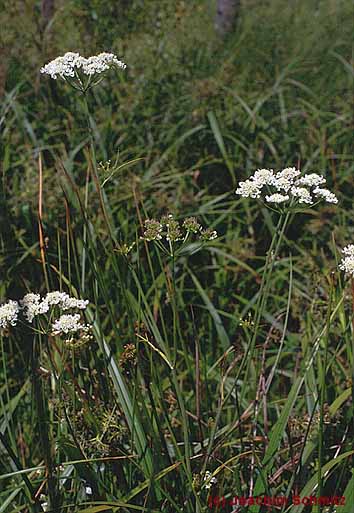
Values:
[(33, 306), (80, 72), (286, 190), (9, 314), (168, 231)]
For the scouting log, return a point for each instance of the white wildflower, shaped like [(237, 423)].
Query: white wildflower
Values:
[(263, 177), (100, 63), (64, 301), (9, 314), (209, 480), (285, 185), (33, 306), (55, 297), (347, 262), (348, 250), (72, 64), (249, 189), (325, 194), (284, 180), (277, 198), (347, 265), (68, 324), (64, 66), (302, 194), (289, 172), (72, 302), (311, 180)]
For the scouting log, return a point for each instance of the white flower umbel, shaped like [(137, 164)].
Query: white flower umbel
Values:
[(347, 262), (64, 66), (252, 188), (249, 189), (33, 306), (302, 194), (348, 250), (55, 297), (285, 179), (263, 176), (64, 301), (277, 198), (68, 323), (78, 70), (97, 64), (9, 314), (286, 189), (311, 180), (325, 194)]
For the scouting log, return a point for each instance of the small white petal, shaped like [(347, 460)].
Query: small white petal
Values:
[(277, 198)]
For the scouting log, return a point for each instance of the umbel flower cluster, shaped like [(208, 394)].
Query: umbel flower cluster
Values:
[(73, 67), (170, 230), (287, 188), (347, 262), (9, 314), (33, 305)]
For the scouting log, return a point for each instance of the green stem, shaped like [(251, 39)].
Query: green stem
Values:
[(93, 155), (174, 310), (322, 400), (186, 431), (84, 237), (263, 293), (101, 194)]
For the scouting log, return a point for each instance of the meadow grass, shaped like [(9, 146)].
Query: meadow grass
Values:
[(219, 369)]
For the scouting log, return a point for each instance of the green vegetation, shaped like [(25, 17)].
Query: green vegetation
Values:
[(206, 358)]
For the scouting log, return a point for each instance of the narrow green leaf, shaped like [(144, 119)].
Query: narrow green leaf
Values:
[(130, 412), (337, 403), (223, 336), (349, 498), (311, 486), (8, 501), (217, 134)]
